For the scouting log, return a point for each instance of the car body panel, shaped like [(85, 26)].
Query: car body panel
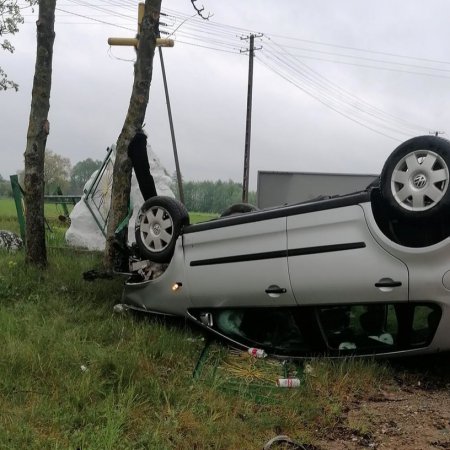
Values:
[(333, 258), (427, 265), (236, 265), (158, 295)]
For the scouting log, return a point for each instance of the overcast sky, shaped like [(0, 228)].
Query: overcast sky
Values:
[(337, 84)]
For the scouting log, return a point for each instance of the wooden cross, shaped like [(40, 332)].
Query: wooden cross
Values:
[(134, 42)]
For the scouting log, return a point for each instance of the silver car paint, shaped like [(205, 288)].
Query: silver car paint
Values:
[(157, 295), (238, 283), (346, 276)]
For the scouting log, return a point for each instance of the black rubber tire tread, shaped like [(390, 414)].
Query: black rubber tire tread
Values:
[(180, 218), (435, 144), (239, 208)]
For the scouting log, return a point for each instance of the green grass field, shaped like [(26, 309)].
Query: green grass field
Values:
[(8, 209), (56, 229), (52, 212)]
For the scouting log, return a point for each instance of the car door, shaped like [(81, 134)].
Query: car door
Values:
[(238, 262), (333, 259)]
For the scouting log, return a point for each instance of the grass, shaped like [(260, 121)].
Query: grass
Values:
[(52, 212), (196, 217), (74, 375), (8, 209), (55, 229)]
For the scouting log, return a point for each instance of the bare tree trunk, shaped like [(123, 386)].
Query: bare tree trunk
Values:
[(143, 69), (38, 130)]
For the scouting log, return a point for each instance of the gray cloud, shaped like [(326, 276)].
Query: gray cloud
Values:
[(290, 131)]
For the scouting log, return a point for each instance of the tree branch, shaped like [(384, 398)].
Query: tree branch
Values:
[(200, 11)]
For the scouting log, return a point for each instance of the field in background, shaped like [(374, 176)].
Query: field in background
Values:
[(52, 211), (56, 228), (8, 209)]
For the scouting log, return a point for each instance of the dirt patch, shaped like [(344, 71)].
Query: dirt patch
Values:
[(412, 412)]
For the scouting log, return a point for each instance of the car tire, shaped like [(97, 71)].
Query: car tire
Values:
[(158, 225), (239, 208), (415, 178)]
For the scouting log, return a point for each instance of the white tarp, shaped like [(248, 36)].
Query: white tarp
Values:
[(84, 231)]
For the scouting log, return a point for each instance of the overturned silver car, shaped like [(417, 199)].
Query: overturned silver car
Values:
[(366, 273)]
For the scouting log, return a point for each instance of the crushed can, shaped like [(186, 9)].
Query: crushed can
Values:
[(288, 382), (257, 352)]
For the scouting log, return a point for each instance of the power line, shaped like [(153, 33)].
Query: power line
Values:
[(360, 49), (95, 20), (388, 69), (328, 105), (190, 30), (348, 96), (362, 58), (334, 97)]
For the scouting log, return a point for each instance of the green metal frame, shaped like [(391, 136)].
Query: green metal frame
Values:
[(18, 196)]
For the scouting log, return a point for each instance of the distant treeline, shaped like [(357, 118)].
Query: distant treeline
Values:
[(212, 196), (200, 196)]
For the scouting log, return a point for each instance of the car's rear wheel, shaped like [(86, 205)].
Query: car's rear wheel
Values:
[(415, 178), (158, 225)]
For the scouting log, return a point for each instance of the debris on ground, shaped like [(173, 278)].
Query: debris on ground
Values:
[(10, 241)]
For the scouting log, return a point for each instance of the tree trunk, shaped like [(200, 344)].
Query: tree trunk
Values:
[(143, 69), (38, 130)]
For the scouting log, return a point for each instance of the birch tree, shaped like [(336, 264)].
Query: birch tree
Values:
[(143, 70), (38, 130)]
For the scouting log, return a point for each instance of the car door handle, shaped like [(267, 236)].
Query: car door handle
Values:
[(275, 290), (388, 284)]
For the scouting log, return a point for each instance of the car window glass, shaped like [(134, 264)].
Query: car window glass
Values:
[(266, 328), (425, 321), (359, 327)]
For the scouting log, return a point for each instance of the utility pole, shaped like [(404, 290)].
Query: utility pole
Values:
[(248, 126)]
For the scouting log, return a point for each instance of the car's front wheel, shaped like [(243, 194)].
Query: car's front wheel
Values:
[(158, 226), (415, 178)]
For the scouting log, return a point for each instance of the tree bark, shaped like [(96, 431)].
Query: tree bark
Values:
[(134, 120), (38, 130)]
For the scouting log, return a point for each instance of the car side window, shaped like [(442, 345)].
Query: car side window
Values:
[(359, 327), (425, 322), (273, 329), (378, 328)]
